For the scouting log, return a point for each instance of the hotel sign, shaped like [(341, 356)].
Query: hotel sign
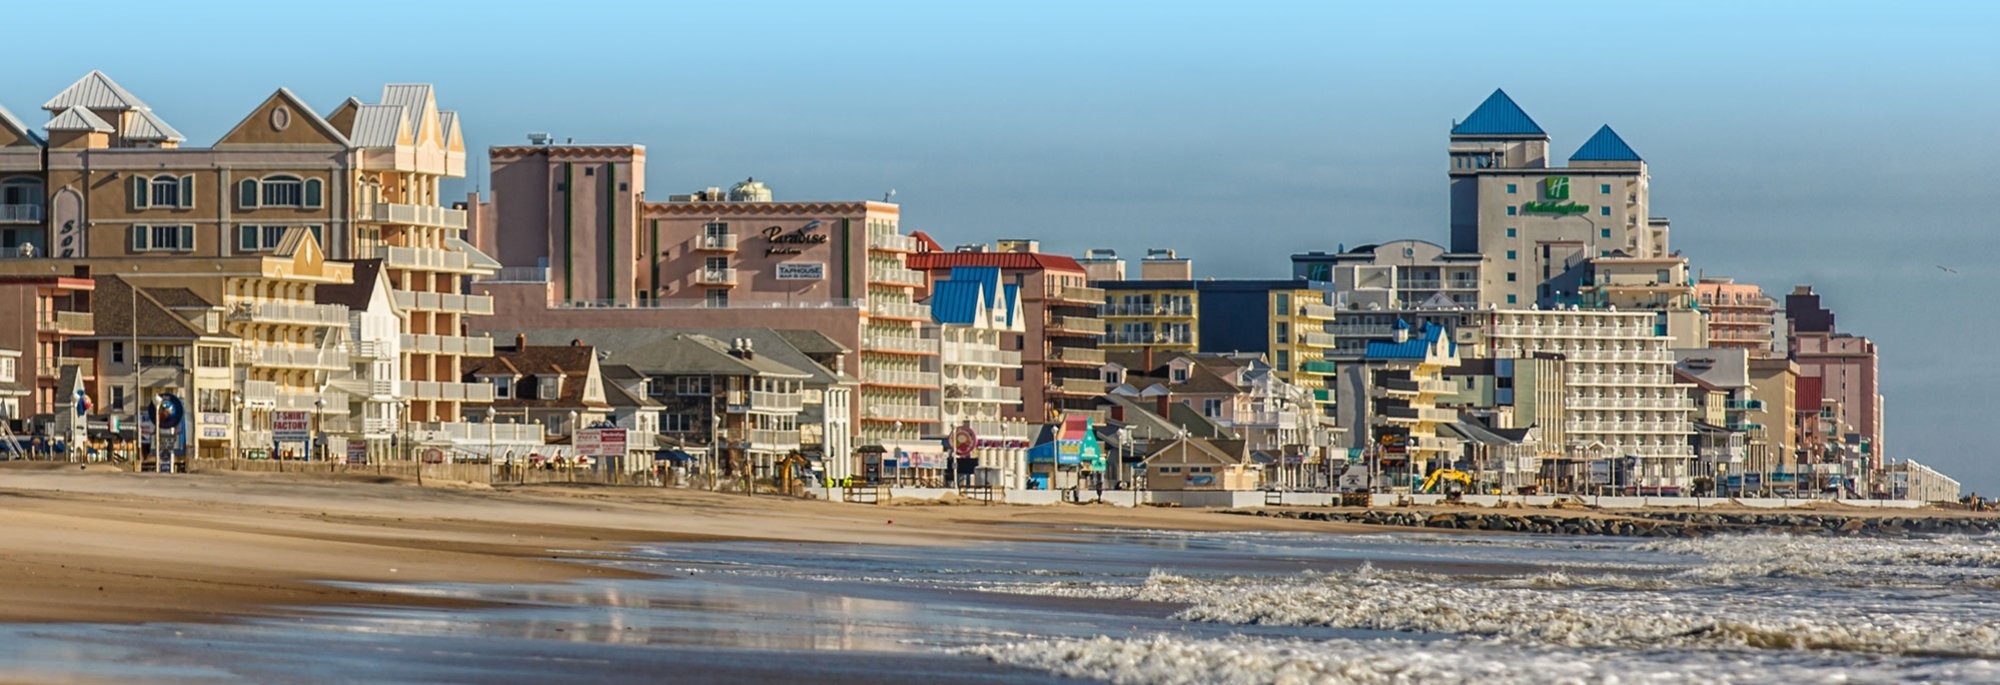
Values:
[(793, 242), (801, 271), (1555, 196)]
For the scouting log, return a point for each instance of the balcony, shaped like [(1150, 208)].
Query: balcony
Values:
[(472, 305), (53, 368), (895, 276), (1317, 366), (725, 242), (20, 214), (1322, 395), (420, 343), (1121, 337), (1078, 386), (288, 313), (1076, 294), (981, 357), (715, 277), (891, 242), (67, 323), (294, 358), (776, 402), (901, 412), (1318, 310), (904, 345), (1360, 330), (983, 393), (899, 310), (518, 274), (774, 440), (446, 391), (260, 394), (412, 215), (914, 379), (1743, 405), (1004, 430), (1076, 325), (1076, 356), (1316, 338), (1267, 419)]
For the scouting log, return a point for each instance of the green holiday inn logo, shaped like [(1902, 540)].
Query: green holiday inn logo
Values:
[(1555, 188), (1555, 192)]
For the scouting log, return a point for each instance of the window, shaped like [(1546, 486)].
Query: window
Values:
[(1211, 408), (1511, 211), (503, 388), (1605, 189), (718, 297), (210, 357), (1019, 374), (545, 388), (1510, 254), (1180, 374), (715, 263), (117, 353), (160, 191), (7, 369), (117, 396), (1512, 232), (590, 171), (1284, 360), (282, 191), (715, 229), (1284, 332), (166, 192), (162, 238), (1604, 232), (1284, 302), (1511, 189), (1510, 299), (691, 386), (681, 423), (251, 238), (1604, 211), (1510, 277)]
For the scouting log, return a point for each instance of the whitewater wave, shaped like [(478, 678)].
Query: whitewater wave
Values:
[(1847, 560), (1241, 661)]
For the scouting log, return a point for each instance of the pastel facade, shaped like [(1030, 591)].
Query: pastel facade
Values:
[(1740, 316), (1060, 344), (1400, 274), (1846, 365), (975, 314), (1388, 402), (1150, 315), (59, 304)]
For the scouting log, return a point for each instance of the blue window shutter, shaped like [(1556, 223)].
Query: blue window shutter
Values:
[(246, 238), (246, 194), (142, 193), (187, 191), (138, 238), (312, 192), (187, 238)]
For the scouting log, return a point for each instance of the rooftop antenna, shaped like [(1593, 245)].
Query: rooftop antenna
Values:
[(886, 196)]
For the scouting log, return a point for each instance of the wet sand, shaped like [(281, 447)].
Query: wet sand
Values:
[(87, 545)]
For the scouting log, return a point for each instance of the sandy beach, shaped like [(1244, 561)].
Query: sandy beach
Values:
[(90, 545)]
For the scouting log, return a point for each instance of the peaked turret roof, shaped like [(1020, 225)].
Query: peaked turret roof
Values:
[(78, 119), (1605, 146), (94, 91), (1498, 116), (147, 126)]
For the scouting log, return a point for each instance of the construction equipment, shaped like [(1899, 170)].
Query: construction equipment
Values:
[(1455, 481)]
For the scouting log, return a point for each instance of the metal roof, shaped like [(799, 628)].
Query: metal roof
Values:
[(1416, 347), (956, 302), (412, 97), (78, 119), (1498, 116), (1605, 146), (94, 91), (148, 126), (447, 125), (378, 126), (10, 121)]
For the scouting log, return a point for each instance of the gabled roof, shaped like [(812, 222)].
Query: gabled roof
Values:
[(691, 351), (955, 302), (811, 342), (180, 298), (413, 98), (986, 276), (94, 91), (939, 261), (379, 126), (13, 123), (78, 119), (148, 126), (355, 296), (1417, 347), (1498, 116), (448, 126), (1605, 146), (112, 308)]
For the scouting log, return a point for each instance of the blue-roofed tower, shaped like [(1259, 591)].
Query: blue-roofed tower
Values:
[(1604, 148), (1498, 134)]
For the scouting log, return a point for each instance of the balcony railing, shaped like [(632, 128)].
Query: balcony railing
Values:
[(52, 368), (983, 393), (67, 323), (926, 379), (900, 412), (774, 439), (1360, 330), (1077, 294), (725, 242), (896, 275), (1087, 356), (447, 391), (1318, 310), (715, 277), (412, 215), (891, 242), (296, 358), (762, 400), (981, 357), (1079, 386), (475, 305), (899, 310), (1316, 338), (899, 344), (1004, 430), (448, 344), (1082, 325), (518, 274), (20, 214), (290, 313)]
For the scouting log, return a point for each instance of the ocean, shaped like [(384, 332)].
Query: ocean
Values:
[(1140, 607)]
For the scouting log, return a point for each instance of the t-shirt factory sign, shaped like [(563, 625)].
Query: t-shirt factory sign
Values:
[(781, 241), (1555, 194)]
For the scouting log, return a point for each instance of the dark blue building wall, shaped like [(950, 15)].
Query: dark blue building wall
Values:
[(1235, 316)]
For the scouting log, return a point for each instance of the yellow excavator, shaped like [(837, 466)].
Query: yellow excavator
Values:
[(1456, 482)]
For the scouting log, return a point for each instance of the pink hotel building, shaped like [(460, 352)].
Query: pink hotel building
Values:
[(581, 246)]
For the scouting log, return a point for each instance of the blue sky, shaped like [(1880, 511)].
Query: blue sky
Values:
[(1847, 145)]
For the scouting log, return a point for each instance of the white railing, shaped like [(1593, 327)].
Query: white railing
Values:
[(518, 274), (1318, 310), (895, 275), (422, 343), (1316, 338), (412, 215), (447, 391), (901, 412), (1004, 430), (725, 242), (899, 310), (1082, 386), (698, 303), (715, 277), (1361, 330), (291, 313), (981, 357), (1077, 293), (291, 357), (1080, 324), (887, 377), (894, 242), (896, 344), (478, 433), (1077, 355), (477, 305), (20, 213), (260, 392), (776, 401), (983, 393), (783, 439)]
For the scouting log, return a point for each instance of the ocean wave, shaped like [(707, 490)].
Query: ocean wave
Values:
[(1610, 612), (1240, 661), (1853, 560)]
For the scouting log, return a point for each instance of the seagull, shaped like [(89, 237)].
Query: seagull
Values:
[(1947, 269)]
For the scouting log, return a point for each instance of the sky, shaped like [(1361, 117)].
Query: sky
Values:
[(1846, 145)]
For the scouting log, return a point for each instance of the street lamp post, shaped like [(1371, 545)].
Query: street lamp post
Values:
[(492, 442), (319, 428)]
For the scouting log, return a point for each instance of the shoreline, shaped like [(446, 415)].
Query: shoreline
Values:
[(93, 546)]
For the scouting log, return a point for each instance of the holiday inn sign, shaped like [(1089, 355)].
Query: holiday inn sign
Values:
[(1555, 189)]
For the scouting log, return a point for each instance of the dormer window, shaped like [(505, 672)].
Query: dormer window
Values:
[(503, 388), (548, 388)]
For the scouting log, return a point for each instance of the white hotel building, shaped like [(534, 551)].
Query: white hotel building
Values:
[(972, 309)]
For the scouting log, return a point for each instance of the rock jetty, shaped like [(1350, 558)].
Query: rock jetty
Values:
[(1652, 524)]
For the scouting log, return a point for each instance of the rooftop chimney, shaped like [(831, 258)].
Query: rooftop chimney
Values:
[(520, 341)]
